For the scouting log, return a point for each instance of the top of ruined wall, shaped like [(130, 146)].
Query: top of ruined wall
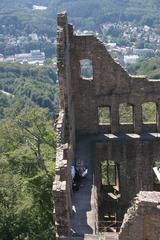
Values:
[(142, 220), (110, 86), (64, 36)]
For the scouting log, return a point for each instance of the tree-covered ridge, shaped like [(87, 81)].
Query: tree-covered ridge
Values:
[(29, 86), (19, 16), (98, 12), (150, 68)]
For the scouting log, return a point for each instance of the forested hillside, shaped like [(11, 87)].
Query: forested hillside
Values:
[(20, 16), (149, 68), (87, 14), (28, 86), (27, 151)]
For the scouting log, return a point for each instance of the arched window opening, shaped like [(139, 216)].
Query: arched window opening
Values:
[(86, 68), (149, 111), (125, 113), (104, 115)]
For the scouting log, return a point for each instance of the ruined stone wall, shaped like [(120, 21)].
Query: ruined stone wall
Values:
[(79, 101), (142, 220), (65, 129), (136, 157), (62, 181), (110, 86), (64, 39)]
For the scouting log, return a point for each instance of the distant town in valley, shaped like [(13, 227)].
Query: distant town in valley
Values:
[(130, 35), (34, 57), (126, 42)]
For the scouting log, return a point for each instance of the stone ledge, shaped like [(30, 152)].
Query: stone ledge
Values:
[(59, 186)]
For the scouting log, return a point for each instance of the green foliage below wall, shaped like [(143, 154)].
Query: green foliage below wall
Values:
[(27, 151)]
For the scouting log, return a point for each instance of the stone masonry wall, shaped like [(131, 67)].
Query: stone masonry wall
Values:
[(80, 99), (135, 158), (110, 86), (142, 220), (65, 128), (62, 182), (64, 39)]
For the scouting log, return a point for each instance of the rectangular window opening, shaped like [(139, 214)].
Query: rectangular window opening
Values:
[(86, 69), (125, 113), (109, 173), (149, 112), (110, 208), (104, 115)]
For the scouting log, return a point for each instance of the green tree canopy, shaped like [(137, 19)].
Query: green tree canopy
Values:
[(25, 183)]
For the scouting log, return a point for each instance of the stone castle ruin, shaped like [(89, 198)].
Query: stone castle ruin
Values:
[(119, 198)]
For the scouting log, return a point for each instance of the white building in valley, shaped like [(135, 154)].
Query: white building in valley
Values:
[(34, 57)]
